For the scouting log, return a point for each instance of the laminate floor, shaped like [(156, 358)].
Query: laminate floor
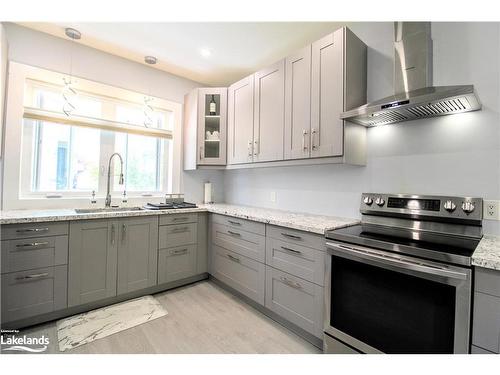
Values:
[(202, 318)]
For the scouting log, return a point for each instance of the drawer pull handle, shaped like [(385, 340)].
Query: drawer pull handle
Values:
[(180, 218), (179, 230), (33, 277), (291, 236), (234, 259), (291, 250), (32, 230), (290, 283), (234, 233), (33, 244), (179, 251), (234, 222)]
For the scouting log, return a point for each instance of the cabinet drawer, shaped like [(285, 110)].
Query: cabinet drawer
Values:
[(487, 281), (241, 273), (35, 292), (236, 223), (297, 260), (177, 235), (486, 325), (178, 218), (315, 241), (296, 300), (245, 243), (176, 263), (16, 231), (26, 254)]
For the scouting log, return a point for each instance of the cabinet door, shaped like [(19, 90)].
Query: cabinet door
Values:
[(212, 126), (298, 104), (176, 263), (269, 123), (327, 96), (137, 253), (92, 261), (240, 121)]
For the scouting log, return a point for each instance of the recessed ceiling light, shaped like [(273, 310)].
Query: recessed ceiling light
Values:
[(151, 60), (205, 52), (72, 33)]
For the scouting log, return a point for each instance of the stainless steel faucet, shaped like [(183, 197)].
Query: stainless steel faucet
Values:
[(107, 203)]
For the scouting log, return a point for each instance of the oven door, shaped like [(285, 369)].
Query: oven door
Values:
[(381, 302)]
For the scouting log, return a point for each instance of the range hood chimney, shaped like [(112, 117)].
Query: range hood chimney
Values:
[(414, 96)]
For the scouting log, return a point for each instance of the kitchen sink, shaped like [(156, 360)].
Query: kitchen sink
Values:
[(107, 209)]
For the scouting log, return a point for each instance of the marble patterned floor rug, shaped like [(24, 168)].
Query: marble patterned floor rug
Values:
[(84, 328)]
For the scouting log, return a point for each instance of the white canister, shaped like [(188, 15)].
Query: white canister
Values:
[(208, 193)]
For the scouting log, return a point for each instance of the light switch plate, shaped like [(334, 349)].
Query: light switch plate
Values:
[(273, 197), (491, 210)]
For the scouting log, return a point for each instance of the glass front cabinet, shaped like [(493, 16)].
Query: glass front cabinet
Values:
[(205, 124)]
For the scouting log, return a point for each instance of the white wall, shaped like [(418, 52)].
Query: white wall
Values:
[(3, 81), (45, 51), (453, 155)]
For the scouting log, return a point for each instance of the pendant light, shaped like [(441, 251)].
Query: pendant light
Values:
[(147, 107), (69, 93)]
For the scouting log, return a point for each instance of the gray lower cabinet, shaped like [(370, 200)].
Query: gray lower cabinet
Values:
[(33, 292), (295, 299), (176, 263), (137, 253), (92, 268), (243, 274)]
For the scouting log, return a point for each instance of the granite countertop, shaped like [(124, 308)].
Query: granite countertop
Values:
[(487, 254), (301, 221), (295, 220)]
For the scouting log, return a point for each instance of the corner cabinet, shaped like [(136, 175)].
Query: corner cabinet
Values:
[(205, 124)]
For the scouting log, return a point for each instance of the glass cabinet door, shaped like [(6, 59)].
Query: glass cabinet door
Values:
[(212, 126)]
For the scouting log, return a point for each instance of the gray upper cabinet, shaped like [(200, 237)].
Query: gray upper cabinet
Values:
[(298, 104), (269, 113), (92, 263), (240, 121), (205, 127), (137, 253)]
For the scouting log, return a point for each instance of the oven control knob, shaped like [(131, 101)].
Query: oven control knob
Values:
[(380, 201), (449, 206), (368, 200), (468, 207)]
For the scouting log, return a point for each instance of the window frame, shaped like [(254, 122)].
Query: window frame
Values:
[(18, 165)]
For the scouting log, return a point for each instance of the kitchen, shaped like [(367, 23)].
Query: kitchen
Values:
[(174, 205)]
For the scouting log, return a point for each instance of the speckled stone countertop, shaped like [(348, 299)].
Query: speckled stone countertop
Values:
[(487, 254), (36, 216), (295, 220), (301, 221)]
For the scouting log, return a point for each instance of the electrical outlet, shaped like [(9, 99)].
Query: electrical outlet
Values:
[(273, 196), (490, 210)]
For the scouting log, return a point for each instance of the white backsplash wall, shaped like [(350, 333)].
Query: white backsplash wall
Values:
[(452, 155)]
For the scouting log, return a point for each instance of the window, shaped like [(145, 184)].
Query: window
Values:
[(68, 156)]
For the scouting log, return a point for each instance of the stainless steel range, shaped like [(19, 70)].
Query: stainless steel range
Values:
[(401, 281)]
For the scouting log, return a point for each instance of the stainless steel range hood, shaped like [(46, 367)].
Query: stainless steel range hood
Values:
[(415, 97)]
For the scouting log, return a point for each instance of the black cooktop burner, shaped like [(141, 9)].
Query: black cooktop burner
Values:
[(450, 249)]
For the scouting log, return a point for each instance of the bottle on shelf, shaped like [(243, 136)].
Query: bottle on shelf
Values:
[(213, 107)]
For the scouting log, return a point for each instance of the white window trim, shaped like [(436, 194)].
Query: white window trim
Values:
[(16, 197)]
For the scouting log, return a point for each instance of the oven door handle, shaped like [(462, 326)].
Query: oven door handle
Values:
[(359, 253)]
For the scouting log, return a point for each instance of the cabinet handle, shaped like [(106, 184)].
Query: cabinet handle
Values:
[(233, 222), (201, 152), (234, 259), (250, 148), (292, 236), (32, 244), (256, 148), (124, 232), (179, 230), (304, 146), (33, 277), (313, 138), (234, 233), (112, 234), (32, 230), (291, 250), (179, 251), (290, 283), (180, 218)]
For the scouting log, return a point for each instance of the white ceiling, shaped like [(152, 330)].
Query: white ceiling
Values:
[(237, 49)]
